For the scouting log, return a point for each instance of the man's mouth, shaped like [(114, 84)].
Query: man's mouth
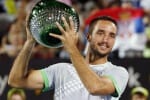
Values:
[(103, 46)]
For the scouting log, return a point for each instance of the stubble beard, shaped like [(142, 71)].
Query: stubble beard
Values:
[(97, 53)]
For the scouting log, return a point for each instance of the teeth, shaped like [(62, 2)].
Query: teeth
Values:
[(103, 46)]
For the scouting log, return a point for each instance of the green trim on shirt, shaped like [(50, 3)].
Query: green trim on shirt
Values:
[(117, 89), (46, 82)]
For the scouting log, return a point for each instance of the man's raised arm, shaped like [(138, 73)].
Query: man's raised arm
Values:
[(19, 75)]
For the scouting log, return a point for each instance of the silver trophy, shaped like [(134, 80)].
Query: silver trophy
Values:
[(42, 21)]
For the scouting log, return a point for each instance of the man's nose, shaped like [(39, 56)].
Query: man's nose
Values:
[(105, 38)]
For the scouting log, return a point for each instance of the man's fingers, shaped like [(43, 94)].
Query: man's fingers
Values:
[(65, 23), (60, 28), (56, 36), (71, 23)]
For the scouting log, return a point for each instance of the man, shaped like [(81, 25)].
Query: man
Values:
[(16, 94), (139, 93), (89, 78)]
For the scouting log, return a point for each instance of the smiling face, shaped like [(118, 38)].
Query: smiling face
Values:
[(102, 37)]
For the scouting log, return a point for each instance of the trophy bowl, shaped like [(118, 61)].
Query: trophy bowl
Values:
[(43, 18)]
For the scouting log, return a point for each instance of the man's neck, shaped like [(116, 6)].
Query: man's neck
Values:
[(96, 60)]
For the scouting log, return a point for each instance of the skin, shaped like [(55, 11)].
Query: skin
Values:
[(16, 97), (138, 97), (101, 42)]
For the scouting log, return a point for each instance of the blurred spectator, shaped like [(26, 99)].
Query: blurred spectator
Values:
[(16, 94), (10, 7), (114, 4), (13, 42), (145, 5), (1, 7), (146, 51), (131, 30), (139, 93)]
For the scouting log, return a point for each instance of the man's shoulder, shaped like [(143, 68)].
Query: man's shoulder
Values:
[(117, 68), (60, 65)]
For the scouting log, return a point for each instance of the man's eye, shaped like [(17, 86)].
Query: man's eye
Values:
[(113, 35), (100, 33)]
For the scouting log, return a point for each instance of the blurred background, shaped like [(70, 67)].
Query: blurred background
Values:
[(131, 50)]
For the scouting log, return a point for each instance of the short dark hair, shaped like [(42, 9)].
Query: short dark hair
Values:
[(94, 21)]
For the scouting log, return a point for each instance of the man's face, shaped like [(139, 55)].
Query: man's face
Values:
[(103, 37), (138, 97), (16, 97)]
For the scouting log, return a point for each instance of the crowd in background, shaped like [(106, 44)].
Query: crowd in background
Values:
[(133, 17)]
